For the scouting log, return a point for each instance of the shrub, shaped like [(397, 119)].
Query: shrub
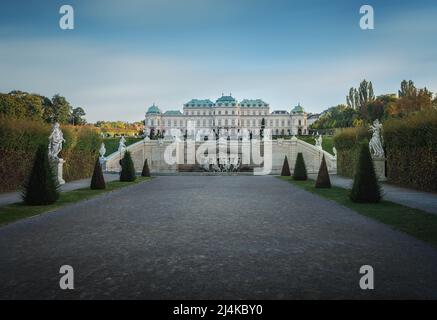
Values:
[(127, 168), (346, 142), (300, 171), (323, 180), (41, 187), (79, 151), (146, 171), (98, 181), (366, 188), (411, 150), (19, 141), (285, 168)]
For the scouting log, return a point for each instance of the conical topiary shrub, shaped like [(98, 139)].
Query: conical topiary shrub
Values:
[(41, 187), (323, 180), (300, 171), (285, 168), (366, 187), (127, 168), (146, 171), (98, 181)]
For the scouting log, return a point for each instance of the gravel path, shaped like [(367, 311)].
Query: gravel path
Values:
[(211, 237)]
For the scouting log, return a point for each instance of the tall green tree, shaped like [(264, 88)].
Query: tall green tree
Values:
[(59, 110), (77, 117)]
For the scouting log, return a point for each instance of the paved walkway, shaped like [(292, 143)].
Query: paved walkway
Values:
[(14, 197), (211, 237), (425, 201)]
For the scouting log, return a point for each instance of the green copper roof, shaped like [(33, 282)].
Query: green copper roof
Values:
[(198, 103), (253, 103), (297, 109), (226, 99), (153, 109), (172, 113)]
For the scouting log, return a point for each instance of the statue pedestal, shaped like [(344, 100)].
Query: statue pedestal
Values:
[(102, 161), (379, 165), (57, 165)]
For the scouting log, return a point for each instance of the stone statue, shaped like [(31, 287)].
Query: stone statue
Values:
[(122, 144), (334, 150), (375, 143), (319, 141), (102, 150), (56, 139)]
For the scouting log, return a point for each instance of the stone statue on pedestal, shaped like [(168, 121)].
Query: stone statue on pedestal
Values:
[(56, 139), (375, 143), (377, 151), (319, 141), (122, 144), (102, 152)]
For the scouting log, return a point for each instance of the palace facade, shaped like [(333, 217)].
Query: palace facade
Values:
[(226, 113)]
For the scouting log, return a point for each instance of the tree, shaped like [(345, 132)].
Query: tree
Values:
[(146, 171), (300, 171), (97, 180), (359, 98), (340, 116), (366, 188), (411, 100), (323, 180), (77, 117), (58, 111), (41, 187), (127, 168), (285, 168), (408, 89)]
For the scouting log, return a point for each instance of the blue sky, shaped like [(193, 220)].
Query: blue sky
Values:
[(123, 56)]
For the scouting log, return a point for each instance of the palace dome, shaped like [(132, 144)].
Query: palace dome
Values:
[(226, 99), (153, 110), (298, 109)]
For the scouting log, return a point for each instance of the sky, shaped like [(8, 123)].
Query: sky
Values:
[(123, 56)]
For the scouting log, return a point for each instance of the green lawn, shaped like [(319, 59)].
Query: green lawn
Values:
[(417, 223), (17, 211), (327, 142), (111, 144)]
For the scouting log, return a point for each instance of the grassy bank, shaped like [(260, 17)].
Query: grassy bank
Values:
[(417, 223), (111, 144), (18, 211), (327, 142)]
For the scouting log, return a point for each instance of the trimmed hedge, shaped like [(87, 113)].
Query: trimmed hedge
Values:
[(411, 150), (285, 168), (20, 138), (347, 142), (300, 170), (365, 188), (127, 173)]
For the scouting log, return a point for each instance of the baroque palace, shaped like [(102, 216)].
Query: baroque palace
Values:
[(229, 115)]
